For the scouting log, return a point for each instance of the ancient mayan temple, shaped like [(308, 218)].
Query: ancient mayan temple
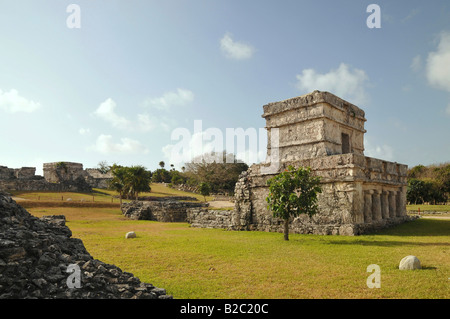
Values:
[(320, 130)]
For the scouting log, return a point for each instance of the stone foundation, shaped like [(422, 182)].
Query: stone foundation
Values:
[(202, 217), (359, 194), (162, 211)]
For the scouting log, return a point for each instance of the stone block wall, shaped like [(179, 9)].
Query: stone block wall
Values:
[(58, 176), (326, 133), (359, 194), (162, 211), (63, 171), (312, 125), (202, 217)]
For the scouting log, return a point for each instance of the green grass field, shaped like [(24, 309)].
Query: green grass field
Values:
[(213, 263), (424, 208), (101, 195)]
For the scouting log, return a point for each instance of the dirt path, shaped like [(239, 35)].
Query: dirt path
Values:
[(220, 204), (18, 199), (436, 217)]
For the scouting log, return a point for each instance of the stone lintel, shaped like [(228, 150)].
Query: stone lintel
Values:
[(310, 99)]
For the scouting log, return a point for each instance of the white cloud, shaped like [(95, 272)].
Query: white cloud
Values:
[(143, 122), (345, 82), (106, 111), (235, 50), (438, 64), (180, 97), (191, 146), (384, 151), (410, 15), (105, 145), (12, 102), (84, 131), (248, 145)]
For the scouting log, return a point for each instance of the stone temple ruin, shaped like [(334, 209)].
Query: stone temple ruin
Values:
[(322, 131), (58, 176)]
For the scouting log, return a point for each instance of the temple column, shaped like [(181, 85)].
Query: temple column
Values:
[(384, 205), (400, 203), (392, 204), (368, 206), (376, 205)]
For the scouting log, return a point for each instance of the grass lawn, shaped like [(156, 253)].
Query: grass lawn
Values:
[(213, 263), (102, 195), (424, 208)]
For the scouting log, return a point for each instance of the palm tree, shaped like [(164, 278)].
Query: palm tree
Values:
[(138, 180), (119, 180), (162, 164)]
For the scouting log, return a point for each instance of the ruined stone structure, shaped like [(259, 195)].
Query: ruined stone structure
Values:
[(36, 255), (161, 210), (324, 132), (58, 176)]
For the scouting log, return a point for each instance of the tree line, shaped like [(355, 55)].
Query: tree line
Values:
[(209, 173), (429, 184)]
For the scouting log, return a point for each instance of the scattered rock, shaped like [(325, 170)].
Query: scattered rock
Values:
[(38, 258), (130, 234), (409, 263)]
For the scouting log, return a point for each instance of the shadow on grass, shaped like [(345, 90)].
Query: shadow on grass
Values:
[(386, 243), (417, 228)]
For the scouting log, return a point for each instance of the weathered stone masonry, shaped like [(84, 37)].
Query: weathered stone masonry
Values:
[(322, 131), (58, 176)]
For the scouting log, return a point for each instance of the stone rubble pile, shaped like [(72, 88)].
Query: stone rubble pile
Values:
[(36, 255)]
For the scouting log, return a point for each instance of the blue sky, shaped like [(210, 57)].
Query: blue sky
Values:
[(116, 88)]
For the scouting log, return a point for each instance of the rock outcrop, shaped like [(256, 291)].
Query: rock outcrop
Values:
[(39, 259)]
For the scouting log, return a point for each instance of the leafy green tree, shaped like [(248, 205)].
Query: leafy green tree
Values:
[(119, 181), (177, 177), (291, 193), (138, 180), (128, 182), (103, 167), (204, 189), (161, 175), (416, 191), (219, 169)]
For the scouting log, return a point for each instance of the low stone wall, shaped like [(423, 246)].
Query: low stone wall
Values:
[(229, 220), (164, 211), (40, 184), (166, 198), (204, 218)]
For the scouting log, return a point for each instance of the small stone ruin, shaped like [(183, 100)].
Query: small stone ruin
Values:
[(58, 176), (37, 256), (162, 210)]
